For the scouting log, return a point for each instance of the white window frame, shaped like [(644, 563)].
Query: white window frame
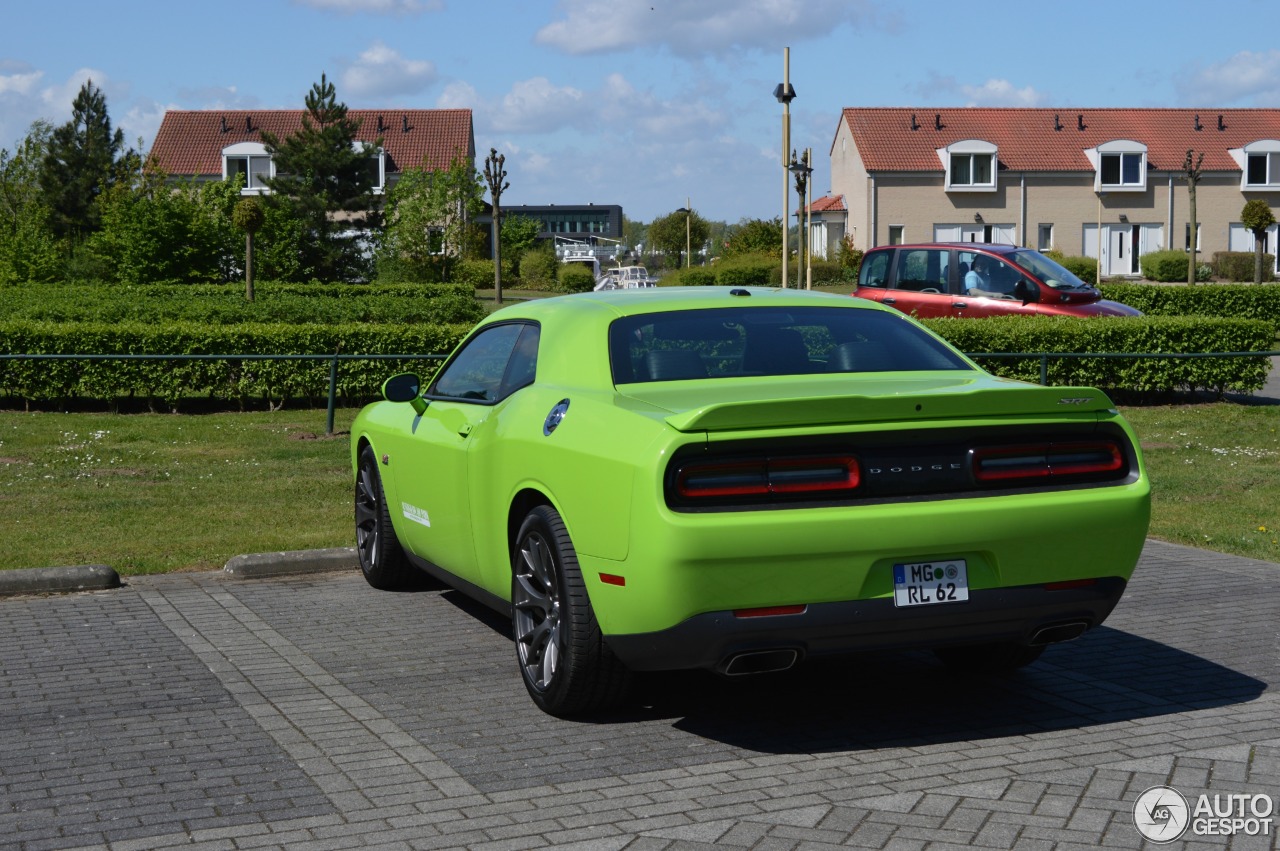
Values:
[(901, 233), (248, 151), (970, 149), (381, 156), (1268, 148), (1043, 230), (1120, 148)]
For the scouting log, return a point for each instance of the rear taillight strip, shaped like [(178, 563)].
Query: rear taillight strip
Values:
[(1046, 460), (768, 476)]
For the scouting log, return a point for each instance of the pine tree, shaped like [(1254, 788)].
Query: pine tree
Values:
[(80, 164), (325, 178)]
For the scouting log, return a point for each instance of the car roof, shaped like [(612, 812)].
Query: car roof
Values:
[(988, 247), (616, 303)]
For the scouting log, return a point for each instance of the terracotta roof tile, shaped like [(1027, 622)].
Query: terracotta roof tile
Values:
[(1032, 140), (828, 204), (190, 142)]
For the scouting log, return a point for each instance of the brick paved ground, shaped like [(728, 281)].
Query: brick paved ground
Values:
[(314, 712)]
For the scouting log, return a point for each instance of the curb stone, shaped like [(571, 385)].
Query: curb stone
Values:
[(44, 580), (256, 565)]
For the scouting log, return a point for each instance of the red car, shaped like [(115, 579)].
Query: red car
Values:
[(977, 279)]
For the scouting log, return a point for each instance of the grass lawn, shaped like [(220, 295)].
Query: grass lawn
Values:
[(150, 493)]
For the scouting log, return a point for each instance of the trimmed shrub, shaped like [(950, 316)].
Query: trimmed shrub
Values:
[(477, 274), (1139, 335), (751, 270), (575, 278), (173, 380), (694, 276), (1238, 266), (1240, 301), (1168, 266), (1084, 268), (538, 270)]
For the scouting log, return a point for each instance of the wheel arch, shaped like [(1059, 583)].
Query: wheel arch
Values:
[(522, 503)]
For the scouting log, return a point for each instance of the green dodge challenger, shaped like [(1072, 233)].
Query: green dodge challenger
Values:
[(740, 479)]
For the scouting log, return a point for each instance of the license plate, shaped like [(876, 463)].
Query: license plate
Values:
[(927, 583)]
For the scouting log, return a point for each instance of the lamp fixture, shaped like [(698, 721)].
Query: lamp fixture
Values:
[(977, 217)]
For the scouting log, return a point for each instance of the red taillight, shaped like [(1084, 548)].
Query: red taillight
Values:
[(767, 476), (1046, 460)]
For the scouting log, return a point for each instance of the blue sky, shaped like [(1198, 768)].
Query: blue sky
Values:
[(642, 103)]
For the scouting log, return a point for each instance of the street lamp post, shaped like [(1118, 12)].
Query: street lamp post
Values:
[(785, 94), (687, 209), (801, 169), (496, 176)]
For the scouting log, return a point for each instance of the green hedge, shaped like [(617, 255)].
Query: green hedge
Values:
[(1125, 376), (1239, 301), (172, 381), (225, 304)]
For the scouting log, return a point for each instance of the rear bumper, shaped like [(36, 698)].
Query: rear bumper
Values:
[(1022, 615)]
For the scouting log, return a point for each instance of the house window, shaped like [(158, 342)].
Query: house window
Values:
[(1122, 169), (971, 169), (1120, 166), (254, 170), (970, 166), (895, 234), (1187, 235), (1263, 169), (1044, 237)]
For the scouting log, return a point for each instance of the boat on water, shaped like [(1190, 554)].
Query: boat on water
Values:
[(626, 278)]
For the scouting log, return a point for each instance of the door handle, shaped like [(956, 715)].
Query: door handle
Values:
[(959, 305), (888, 301)]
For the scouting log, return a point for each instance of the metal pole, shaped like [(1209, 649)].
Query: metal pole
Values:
[(333, 391), (688, 215), (808, 220), (786, 148)]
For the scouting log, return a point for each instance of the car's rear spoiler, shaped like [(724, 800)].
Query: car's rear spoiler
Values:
[(838, 410)]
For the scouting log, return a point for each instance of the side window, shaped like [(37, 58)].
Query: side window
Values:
[(875, 270), (923, 270), (523, 365), (477, 372), (982, 275)]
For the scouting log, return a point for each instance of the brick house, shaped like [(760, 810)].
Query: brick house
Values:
[(1070, 179), (219, 143)]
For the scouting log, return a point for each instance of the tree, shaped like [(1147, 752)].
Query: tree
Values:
[(1191, 173), (154, 231), (634, 233), (28, 249), (755, 236), (519, 235), (430, 221), (324, 179), (1257, 217), (248, 217), (668, 235), (79, 165)]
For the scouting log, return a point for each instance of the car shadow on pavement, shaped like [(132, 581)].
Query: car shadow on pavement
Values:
[(909, 699)]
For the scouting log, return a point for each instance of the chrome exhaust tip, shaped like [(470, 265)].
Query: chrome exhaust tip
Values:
[(1057, 632), (761, 662)]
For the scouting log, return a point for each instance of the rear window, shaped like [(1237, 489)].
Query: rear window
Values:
[(753, 341)]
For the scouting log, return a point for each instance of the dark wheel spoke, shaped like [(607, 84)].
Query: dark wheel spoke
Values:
[(381, 559)]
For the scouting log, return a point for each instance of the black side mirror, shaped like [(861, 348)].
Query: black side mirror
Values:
[(1025, 291), (405, 387)]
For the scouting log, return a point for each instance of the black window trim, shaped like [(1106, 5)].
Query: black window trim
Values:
[(435, 397)]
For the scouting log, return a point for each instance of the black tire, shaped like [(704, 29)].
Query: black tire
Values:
[(382, 561), (989, 658), (564, 661)]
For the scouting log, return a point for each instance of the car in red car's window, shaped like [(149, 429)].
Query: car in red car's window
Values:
[(977, 279)]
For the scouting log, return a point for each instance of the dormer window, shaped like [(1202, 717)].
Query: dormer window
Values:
[(378, 168), (1260, 162), (251, 161), (970, 165), (1121, 166)]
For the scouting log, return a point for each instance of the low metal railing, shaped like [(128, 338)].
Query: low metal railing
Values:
[(335, 358)]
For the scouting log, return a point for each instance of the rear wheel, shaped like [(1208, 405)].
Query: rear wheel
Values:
[(382, 561), (989, 658), (564, 661)]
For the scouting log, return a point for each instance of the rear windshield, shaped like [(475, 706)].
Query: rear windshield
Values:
[(750, 341)]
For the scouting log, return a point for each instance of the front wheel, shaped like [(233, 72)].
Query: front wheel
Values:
[(382, 561), (564, 661)]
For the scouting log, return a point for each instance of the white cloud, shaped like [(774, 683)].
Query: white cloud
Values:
[(375, 7), (458, 95), (1252, 78), (19, 82), (993, 92), (697, 27), (381, 71), (537, 106)]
